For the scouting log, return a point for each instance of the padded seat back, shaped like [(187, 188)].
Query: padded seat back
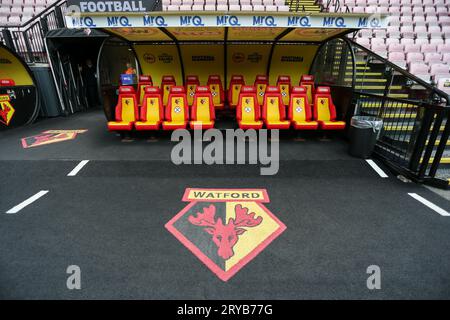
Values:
[(177, 108), (324, 109), (307, 81), (127, 106), (248, 109), (261, 82), (284, 83), (203, 107), (299, 107), (236, 83), (273, 108), (215, 86), (152, 107), (191, 84), (144, 82), (167, 83)]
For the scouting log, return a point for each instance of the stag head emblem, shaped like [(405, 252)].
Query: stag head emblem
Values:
[(225, 236)]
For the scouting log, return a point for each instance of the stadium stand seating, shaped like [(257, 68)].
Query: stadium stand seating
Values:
[(284, 83), (18, 12), (152, 111), (414, 26), (167, 83), (229, 5), (192, 82), (126, 110), (202, 112), (248, 111), (261, 82), (300, 110), (324, 110), (274, 111), (236, 83), (177, 110), (215, 85), (144, 82)]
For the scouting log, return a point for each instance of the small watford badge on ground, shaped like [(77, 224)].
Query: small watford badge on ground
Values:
[(225, 228), (50, 136)]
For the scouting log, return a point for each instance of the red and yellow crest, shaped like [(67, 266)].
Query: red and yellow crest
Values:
[(6, 109), (225, 228)]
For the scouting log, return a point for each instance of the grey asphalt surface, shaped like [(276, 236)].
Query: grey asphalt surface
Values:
[(341, 217)]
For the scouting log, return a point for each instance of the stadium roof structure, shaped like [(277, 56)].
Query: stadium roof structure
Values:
[(225, 26)]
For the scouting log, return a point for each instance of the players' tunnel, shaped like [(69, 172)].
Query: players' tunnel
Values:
[(19, 100)]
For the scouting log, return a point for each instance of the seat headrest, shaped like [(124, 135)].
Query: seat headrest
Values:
[(168, 79), (202, 89), (177, 89), (192, 79), (284, 79), (150, 89), (261, 78), (237, 77), (323, 90), (214, 77), (272, 89), (7, 82), (307, 77), (145, 78), (298, 89), (126, 89), (248, 89)]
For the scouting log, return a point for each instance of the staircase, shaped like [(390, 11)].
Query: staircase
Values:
[(304, 5)]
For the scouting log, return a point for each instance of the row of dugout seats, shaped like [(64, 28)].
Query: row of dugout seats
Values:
[(152, 115), (231, 96)]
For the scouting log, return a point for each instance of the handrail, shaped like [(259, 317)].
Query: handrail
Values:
[(435, 90)]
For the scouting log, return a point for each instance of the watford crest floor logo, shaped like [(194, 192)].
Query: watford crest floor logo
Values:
[(225, 228), (50, 136)]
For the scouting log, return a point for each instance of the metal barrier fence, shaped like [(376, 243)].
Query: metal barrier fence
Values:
[(414, 112), (28, 40)]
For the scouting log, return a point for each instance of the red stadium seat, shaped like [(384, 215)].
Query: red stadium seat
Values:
[(261, 82), (177, 110), (202, 112), (325, 111), (191, 83), (300, 110), (284, 83), (126, 110), (152, 111), (215, 86), (274, 112), (307, 81), (167, 82), (236, 82), (248, 112), (144, 82)]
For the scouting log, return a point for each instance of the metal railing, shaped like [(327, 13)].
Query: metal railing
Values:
[(28, 39), (414, 112)]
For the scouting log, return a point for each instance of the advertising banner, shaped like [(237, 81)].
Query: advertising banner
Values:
[(156, 19), (98, 6), (247, 60), (203, 60), (293, 61), (159, 60)]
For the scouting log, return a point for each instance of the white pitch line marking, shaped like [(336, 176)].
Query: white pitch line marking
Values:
[(77, 168), (429, 204), (27, 202), (375, 167)]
